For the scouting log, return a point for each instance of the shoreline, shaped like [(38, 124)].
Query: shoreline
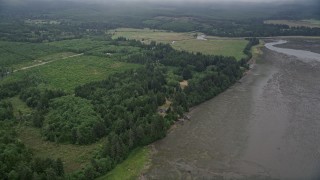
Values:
[(256, 53), (228, 133)]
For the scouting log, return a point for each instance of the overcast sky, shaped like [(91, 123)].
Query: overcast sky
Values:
[(172, 0), (203, 1), (195, 0), (169, 1)]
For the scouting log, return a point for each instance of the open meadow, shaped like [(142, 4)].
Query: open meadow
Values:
[(69, 73), (186, 41), (74, 156), (65, 64), (15, 53)]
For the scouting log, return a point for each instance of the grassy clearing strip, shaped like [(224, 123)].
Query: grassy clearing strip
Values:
[(19, 107), (74, 157), (186, 41), (256, 50), (231, 47), (131, 168), (148, 35)]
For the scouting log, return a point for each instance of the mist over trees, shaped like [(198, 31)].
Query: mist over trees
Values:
[(82, 18)]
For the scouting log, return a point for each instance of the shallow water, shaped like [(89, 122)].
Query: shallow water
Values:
[(267, 126), (302, 54)]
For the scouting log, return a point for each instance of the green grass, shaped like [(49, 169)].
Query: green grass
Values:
[(13, 53), (68, 73), (78, 45), (186, 41), (229, 47), (256, 50), (131, 168), (112, 50), (149, 35), (100, 59), (51, 57), (74, 157), (19, 106)]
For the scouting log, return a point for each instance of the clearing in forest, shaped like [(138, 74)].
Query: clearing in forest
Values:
[(72, 72), (74, 156), (187, 41)]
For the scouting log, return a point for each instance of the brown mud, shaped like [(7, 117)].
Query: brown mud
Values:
[(265, 127)]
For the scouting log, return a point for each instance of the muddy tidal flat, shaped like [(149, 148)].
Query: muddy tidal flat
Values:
[(267, 126)]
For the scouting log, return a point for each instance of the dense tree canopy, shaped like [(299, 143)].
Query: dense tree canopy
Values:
[(72, 119), (18, 162), (130, 109)]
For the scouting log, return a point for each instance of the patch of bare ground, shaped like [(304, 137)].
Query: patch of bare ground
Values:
[(183, 84), (162, 110)]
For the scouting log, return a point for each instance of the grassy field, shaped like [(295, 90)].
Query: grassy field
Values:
[(68, 73), (186, 41), (69, 63), (230, 47), (19, 107), (148, 35), (78, 45), (13, 53), (131, 168), (47, 58), (296, 23), (74, 157)]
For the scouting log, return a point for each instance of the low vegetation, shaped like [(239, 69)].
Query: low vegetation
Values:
[(74, 157), (13, 53), (186, 41), (65, 71), (131, 168), (18, 162), (224, 47), (311, 23)]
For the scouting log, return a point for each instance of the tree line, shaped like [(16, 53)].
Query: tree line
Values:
[(128, 102), (18, 162), (123, 108)]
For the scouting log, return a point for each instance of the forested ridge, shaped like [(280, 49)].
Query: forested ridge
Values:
[(123, 108), (52, 21)]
